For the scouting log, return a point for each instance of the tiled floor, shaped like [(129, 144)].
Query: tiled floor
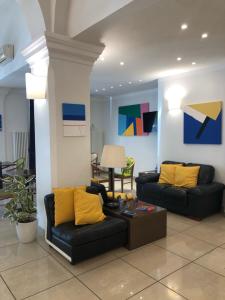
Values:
[(188, 264)]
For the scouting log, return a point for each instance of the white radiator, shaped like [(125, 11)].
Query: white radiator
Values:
[(20, 146)]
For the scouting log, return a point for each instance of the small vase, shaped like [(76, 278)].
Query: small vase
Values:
[(26, 232)]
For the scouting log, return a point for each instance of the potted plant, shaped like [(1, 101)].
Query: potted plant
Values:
[(21, 208)]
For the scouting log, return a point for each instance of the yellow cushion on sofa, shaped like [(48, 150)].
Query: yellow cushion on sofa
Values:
[(167, 173), (64, 203), (123, 196), (88, 208), (186, 176)]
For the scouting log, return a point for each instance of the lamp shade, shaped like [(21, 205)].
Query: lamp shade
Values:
[(35, 86), (113, 156)]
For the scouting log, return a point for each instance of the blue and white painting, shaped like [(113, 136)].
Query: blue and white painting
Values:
[(74, 119)]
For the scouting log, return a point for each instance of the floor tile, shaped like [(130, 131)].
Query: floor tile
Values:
[(171, 231), (214, 261), (8, 234), (182, 219), (116, 280), (18, 254), (197, 283), (69, 290), (219, 221), (185, 246), (157, 292), (155, 261), (209, 233), (178, 223), (4, 291), (86, 265), (34, 277)]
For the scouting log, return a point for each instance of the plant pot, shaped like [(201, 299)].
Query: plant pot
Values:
[(26, 232)]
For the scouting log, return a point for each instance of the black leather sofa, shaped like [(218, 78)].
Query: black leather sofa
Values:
[(199, 202), (77, 243)]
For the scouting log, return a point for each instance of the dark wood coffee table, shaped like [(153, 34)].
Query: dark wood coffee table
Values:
[(145, 227)]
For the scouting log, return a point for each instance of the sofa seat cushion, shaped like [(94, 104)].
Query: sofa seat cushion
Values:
[(154, 189), (78, 235), (175, 197)]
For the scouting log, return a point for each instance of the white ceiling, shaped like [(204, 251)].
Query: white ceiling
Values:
[(146, 35)]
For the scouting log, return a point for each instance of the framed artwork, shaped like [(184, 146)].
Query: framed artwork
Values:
[(130, 121), (74, 119), (203, 123), (0, 122)]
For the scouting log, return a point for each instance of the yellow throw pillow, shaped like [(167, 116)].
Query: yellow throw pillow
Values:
[(64, 203), (186, 176), (88, 208), (167, 173)]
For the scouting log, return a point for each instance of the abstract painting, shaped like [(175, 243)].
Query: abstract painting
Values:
[(203, 123), (131, 119), (74, 120)]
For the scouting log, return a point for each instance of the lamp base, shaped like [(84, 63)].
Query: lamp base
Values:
[(111, 182)]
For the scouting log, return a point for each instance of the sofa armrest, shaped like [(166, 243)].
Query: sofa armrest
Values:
[(152, 177), (206, 189)]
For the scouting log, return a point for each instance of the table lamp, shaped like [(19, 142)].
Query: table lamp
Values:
[(113, 156)]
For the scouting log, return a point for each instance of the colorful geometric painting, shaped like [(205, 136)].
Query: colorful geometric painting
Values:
[(131, 119), (203, 123), (74, 120)]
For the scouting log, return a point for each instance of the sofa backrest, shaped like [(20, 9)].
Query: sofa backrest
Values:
[(206, 172)]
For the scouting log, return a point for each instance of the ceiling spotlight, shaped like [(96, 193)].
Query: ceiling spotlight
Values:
[(101, 57), (130, 82), (111, 87), (179, 59), (140, 80), (184, 26), (204, 35), (193, 63), (120, 85), (103, 89), (96, 91), (122, 63)]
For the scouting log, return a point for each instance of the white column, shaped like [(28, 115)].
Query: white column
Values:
[(60, 161)]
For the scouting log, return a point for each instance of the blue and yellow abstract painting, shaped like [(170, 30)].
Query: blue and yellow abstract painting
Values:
[(203, 123)]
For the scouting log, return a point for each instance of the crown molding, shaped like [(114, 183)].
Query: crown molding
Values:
[(53, 46)]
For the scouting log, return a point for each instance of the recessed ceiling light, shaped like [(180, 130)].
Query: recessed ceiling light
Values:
[(122, 63), (184, 26), (140, 80), (193, 63), (179, 58), (111, 87), (204, 35), (103, 89), (101, 57), (130, 82), (120, 85), (96, 91)]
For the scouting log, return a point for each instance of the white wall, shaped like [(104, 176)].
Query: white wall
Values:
[(142, 148), (15, 31), (16, 118), (201, 86), (15, 113), (99, 108)]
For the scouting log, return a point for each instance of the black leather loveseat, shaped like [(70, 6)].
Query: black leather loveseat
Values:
[(77, 243), (199, 202)]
